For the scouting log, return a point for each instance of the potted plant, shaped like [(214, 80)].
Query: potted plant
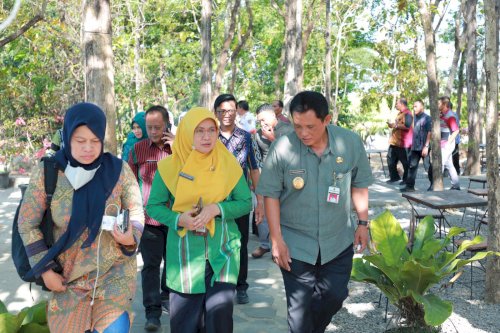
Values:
[(406, 272), (29, 320)]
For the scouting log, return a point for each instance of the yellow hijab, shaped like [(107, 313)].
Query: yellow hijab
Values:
[(190, 175)]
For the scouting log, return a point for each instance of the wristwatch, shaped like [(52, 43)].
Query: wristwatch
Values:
[(363, 222)]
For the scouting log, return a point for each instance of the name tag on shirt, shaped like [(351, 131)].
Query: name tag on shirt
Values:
[(333, 194)]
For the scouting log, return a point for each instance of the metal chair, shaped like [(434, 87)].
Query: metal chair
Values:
[(436, 215)]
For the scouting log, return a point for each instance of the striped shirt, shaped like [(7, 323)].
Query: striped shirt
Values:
[(241, 146), (143, 160)]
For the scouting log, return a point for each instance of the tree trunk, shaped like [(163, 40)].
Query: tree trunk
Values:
[(328, 60), (163, 84), (293, 55), (395, 93), (138, 77), (98, 63), (224, 53), (206, 56), (459, 47), (460, 88), (338, 48), (242, 40), (311, 19), (473, 166), (278, 73), (492, 13), (432, 83)]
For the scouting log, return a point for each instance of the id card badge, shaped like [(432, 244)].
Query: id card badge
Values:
[(333, 194)]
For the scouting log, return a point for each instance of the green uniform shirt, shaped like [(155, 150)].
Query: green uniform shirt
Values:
[(309, 223), (187, 256)]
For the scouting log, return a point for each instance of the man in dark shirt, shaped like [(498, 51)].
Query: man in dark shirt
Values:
[(399, 142), (278, 110), (239, 143), (143, 159), (270, 130), (420, 144)]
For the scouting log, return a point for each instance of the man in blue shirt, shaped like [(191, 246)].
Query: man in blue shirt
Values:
[(420, 144), (239, 142)]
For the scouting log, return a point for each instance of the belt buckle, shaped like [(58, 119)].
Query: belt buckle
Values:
[(199, 233)]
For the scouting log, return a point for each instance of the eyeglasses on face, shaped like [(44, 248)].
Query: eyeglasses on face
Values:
[(202, 132), (224, 112)]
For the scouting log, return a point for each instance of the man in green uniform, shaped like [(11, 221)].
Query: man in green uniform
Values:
[(308, 181)]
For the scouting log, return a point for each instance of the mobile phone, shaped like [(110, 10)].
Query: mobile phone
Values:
[(124, 221), (198, 208), (165, 132)]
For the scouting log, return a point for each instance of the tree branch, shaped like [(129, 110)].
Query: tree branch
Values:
[(31, 23), (21, 31)]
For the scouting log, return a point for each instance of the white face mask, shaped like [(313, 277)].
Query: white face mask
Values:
[(78, 176)]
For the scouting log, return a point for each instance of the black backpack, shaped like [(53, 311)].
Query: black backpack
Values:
[(19, 255)]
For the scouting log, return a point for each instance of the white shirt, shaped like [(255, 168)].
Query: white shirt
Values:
[(246, 122)]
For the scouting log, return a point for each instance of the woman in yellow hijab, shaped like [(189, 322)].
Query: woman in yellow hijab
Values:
[(197, 192)]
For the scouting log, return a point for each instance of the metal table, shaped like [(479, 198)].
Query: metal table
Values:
[(441, 201), (379, 152)]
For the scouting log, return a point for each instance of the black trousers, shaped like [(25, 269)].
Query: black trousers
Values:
[(394, 155), (456, 159), (415, 157), (314, 293), (153, 251), (211, 312), (243, 227)]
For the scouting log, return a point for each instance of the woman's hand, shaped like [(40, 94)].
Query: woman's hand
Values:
[(186, 219), (53, 281), (206, 215), (126, 238)]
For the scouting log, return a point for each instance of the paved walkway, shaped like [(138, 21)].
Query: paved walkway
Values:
[(266, 311)]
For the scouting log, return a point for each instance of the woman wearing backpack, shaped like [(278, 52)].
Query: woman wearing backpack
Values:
[(94, 292)]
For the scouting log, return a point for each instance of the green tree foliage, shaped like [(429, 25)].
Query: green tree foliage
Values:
[(157, 52)]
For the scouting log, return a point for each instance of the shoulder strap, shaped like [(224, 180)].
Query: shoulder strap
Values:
[(50, 171)]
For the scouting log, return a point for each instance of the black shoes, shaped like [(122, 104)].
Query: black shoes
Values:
[(242, 297), (407, 189), (152, 324), (430, 188), (391, 181), (402, 182), (457, 188)]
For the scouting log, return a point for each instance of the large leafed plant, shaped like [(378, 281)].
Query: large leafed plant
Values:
[(405, 272), (29, 320)]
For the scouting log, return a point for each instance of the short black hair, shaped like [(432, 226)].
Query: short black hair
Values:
[(403, 101), (310, 100), (160, 109), (280, 103), (420, 102), (244, 105), (446, 101), (223, 98), (265, 107)]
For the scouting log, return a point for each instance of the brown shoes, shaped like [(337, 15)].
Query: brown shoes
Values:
[(259, 252)]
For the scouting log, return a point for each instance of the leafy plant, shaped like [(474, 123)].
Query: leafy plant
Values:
[(29, 320), (405, 272)]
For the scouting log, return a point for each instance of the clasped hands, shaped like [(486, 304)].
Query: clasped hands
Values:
[(193, 221)]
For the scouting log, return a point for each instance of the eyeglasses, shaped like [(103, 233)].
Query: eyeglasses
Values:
[(201, 132), (224, 112)]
